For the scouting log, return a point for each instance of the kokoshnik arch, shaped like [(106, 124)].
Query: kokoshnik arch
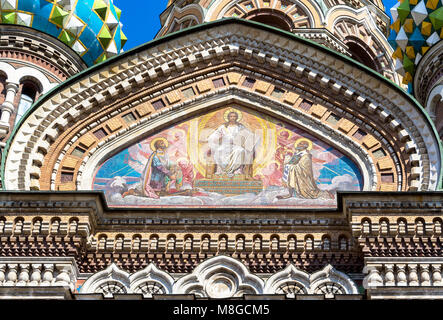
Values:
[(267, 148)]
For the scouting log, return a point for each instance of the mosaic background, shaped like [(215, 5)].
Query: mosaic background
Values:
[(271, 144)]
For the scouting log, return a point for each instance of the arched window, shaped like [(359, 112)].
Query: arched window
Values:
[(420, 227), (273, 18), (206, 242), (188, 243), (2, 224), (136, 242), (275, 243), (402, 227), (102, 242), (437, 226), (309, 243), (18, 225), (360, 52), (37, 225), (223, 243), (153, 242), (257, 242), (343, 243), (240, 245), (55, 226), (171, 243), (27, 98), (326, 243), (118, 243), (73, 225), (292, 243)]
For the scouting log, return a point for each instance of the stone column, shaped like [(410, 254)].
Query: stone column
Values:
[(48, 275), (36, 275), (23, 277), (413, 276), (401, 275), (436, 275), (389, 275), (2, 273), (424, 275), (11, 277), (7, 108)]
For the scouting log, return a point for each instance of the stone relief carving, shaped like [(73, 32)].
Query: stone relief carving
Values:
[(218, 278)]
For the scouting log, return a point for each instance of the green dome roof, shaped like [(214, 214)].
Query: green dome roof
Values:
[(417, 27), (91, 28)]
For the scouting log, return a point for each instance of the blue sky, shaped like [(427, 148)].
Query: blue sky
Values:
[(141, 21)]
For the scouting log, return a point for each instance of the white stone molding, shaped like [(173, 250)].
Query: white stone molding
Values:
[(7, 69), (403, 271), (279, 52), (434, 98), (151, 280), (110, 281), (209, 16), (363, 16), (329, 278), (38, 272), (290, 281), (177, 11), (220, 277), (113, 280), (426, 76), (35, 75)]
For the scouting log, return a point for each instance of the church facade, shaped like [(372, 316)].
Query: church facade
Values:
[(270, 148)]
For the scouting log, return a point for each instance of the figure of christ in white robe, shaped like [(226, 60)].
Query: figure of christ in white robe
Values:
[(232, 146)]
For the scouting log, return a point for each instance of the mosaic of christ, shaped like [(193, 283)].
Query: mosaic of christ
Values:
[(226, 158)]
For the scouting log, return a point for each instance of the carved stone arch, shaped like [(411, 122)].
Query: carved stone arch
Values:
[(434, 105), (110, 281), (36, 76), (220, 277), (9, 72), (351, 26), (330, 282), (311, 17), (248, 100), (290, 281), (304, 70), (150, 281), (193, 10)]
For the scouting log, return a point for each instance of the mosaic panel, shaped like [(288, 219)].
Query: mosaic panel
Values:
[(228, 158)]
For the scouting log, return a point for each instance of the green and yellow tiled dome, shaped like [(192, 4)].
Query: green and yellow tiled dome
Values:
[(417, 27), (92, 28)]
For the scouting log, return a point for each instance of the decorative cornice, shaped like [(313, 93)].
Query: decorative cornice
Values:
[(316, 63)]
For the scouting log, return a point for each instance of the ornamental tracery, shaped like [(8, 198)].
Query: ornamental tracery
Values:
[(220, 277)]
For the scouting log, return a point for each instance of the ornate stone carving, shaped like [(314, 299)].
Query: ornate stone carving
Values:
[(220, 277)]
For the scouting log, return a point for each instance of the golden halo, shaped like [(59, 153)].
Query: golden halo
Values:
[(303, 140), (158, 139), (227, 112)]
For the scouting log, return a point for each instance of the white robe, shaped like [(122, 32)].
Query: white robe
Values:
[(232, 147)]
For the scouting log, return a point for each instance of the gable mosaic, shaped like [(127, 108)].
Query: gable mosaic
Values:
[(229, 157)]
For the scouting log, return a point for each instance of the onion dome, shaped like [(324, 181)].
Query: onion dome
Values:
[(417, 27), (92, 28)]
